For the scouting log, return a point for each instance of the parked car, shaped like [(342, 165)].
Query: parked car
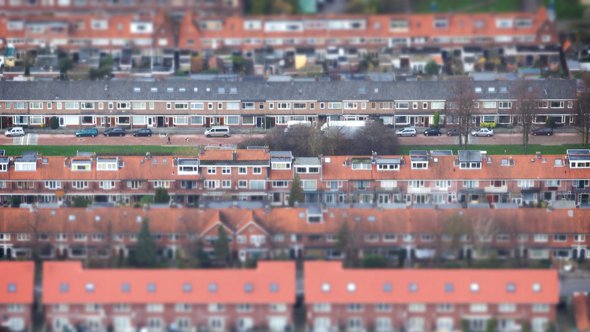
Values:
[(114, 131), (408, 131), (218, 131), (14, 131), (487, 132), (432, 132), (453, 132), (143, 132), (87, 132), (547, 131)]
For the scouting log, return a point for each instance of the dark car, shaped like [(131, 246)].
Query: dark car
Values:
[(453, 132), (546, 131), (115, 131), (432, 132), (87, 132), (143, 132)]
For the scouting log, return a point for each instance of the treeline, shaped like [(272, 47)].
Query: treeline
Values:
[(311, 141)]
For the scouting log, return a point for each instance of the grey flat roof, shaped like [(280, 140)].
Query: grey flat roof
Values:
[(470, 156), (188, 162), (388, 160), (307, 161), (253, 90)]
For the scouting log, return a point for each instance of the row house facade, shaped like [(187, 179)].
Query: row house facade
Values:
[(399, 235), (146, 31), (424, 178), (184, 300), (269, 104), (340, 299), (16, 295), (365, 33)]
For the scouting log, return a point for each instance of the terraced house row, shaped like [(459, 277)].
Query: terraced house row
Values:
[(424, 178), (268, 104), (202, 31), (422, 234), (263, 298)]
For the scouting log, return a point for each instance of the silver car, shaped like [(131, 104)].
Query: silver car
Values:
[(409, 131)]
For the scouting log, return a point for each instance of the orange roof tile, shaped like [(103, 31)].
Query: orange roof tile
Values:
[(105, 285), (17, 282), (581, 312), (369, 286)]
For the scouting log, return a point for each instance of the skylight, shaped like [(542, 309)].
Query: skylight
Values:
[(151, 287), (187, 287), (536, 287), (449, 287), (413, 287), (274, 287), (11, 288), (64, 287), (125, 287), (248, 287), (212, 287), (90, 287), (510, 287), (474, 287), (351, 287), (387, 287), (326, 287)]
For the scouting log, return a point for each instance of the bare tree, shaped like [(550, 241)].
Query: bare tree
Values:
[(462, 106), (583, 108), (484, 231), (453, 229), (526, 98)]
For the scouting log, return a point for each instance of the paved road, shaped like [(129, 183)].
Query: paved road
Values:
[(69, 139), (570, 285), (501, 138)]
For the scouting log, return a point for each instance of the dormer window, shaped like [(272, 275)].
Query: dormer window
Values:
[(361, 164), (3, 164), (419, 164), (82, 165), (470, 165), (107, 164), (314, 218), (188, 166)]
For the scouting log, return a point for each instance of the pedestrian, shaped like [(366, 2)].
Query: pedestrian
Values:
[(168, 139), (186, 140)]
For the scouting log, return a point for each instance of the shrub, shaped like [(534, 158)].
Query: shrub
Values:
[(54, 122), (490, 125)]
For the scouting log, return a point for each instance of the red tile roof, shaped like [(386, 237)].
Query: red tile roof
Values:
[(291, 220), (369, 285), (581, 312), (169, 284), (19, 275)]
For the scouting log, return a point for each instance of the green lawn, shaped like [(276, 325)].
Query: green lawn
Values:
[(114, 150), (140, 150), (469, 6), (497, 149)]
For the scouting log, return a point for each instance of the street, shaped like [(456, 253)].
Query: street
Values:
[(497, 139)]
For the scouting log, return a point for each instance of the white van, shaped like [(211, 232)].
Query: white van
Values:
[(14, 131), (220, 131)]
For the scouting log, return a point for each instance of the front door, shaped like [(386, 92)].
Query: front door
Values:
[(150, 121), (160, 121)]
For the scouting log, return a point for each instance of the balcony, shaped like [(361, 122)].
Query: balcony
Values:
[(494, 189)]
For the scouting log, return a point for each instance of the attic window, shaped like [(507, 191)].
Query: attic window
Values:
[(510, 287), (558, 163), (474, 287), (248, 287), (136, 89), (233, 91), (478, 89), (326, 287), (274, 287), (412, 287), (195, 89), (387, 287), (11, 288), (64, 287), (125, 287), (536, 287), (351, 287), (187, 287), (212, 288), (492, 89), (221, 91), (503, 89), (181, 89), (151, 287), (170, 89), (90, 287), (154, 89), (449, 287)]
